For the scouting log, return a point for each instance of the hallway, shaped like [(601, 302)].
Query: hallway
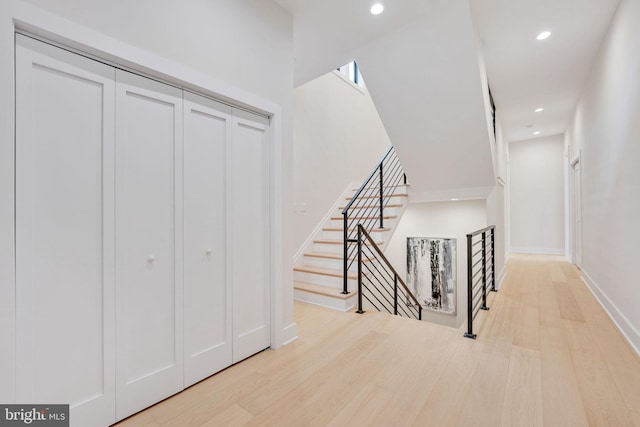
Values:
[(546, 354)]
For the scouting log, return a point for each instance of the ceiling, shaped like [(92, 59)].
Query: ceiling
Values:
[(524, 73)]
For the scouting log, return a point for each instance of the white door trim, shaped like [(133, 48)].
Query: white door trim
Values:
[(576, 210)]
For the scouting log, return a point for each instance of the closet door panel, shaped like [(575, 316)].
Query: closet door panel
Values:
[(64, 231), (207, 292), (250, 230), (148, 276)]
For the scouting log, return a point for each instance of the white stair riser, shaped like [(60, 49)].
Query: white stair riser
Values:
[(393, 200), (400, 188), (322, 280), (335, 264), (388, 223), (331, 248), (378, 236), (325, 301), (371, 212)]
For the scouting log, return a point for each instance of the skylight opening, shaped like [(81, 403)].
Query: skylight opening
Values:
[(351, 72)]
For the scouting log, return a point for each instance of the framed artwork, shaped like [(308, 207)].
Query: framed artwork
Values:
[(431, 273)]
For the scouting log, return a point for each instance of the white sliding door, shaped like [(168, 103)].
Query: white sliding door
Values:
[(142, 243), (64, 232), (207, 291), (249, 199), (148, 242)]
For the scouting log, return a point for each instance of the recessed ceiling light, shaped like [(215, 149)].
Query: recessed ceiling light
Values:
[(537, 110), (377, 9), (537, 132), (543, 35), (454, 200)]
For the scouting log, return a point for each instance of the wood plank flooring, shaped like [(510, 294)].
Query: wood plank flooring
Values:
[(546, 355)]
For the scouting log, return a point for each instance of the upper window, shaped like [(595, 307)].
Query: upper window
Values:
[(352, 72)]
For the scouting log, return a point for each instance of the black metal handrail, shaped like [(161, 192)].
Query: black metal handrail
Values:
[(379, 283), (481, 273), (366, 207)]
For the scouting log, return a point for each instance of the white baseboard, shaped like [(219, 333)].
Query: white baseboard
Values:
[(501, 276), (289, 334), (543, 251), (624, 326)]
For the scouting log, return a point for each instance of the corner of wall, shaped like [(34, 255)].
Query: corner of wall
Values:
[(297, 257), (7, 254), (289, 334)]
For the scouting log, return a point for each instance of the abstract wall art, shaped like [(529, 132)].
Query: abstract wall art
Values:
[(431, 272)]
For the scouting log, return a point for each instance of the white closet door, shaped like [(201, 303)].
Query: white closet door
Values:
[(249, 198), (64, 232), (149, 360), (207, 292)]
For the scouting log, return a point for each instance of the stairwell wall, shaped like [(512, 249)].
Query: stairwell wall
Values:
[(338, 139), (440, 219)]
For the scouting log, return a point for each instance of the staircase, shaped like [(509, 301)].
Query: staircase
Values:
[(318, 274)]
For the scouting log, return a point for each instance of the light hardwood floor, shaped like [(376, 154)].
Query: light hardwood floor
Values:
[(546, 355)]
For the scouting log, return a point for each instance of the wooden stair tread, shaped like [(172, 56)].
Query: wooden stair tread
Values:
[(329, 255), (323, 271), (372, 207), (351, 229), (341, 208), (335, 242), (365, 217), (378, 196), (323, 290), (385, 186)]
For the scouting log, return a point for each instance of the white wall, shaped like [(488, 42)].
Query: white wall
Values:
[(497, 202), (339, 139), (433, 134), (536, 195), (605, 132), (439, 219), (500, 150), (7, 258), (246, 43), (238, 49)]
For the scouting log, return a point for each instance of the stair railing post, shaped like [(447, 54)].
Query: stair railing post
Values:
[(469, 333), (381, 195), (484, 271), (360, 310), (345, 264), (493, 261), (395, 294)]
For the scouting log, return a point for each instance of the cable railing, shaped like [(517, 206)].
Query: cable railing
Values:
[(379, 283), (367, 206), (481, 273)]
